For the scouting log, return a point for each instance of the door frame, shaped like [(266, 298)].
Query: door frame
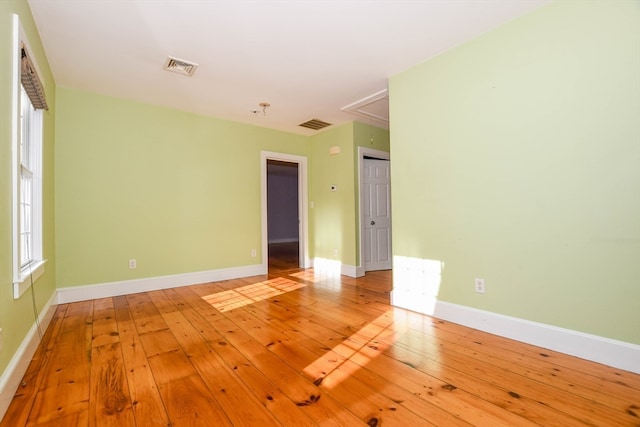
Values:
[(362, 153), (303, 213)]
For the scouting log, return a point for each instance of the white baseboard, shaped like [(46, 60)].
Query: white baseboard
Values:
[(614, 353), (112, 289), (284, 240), (333, 266), (419, 303), (13, 374), (349, 270)]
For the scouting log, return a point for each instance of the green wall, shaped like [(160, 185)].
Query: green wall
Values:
[(520, 156), (515, 158), (371, 137), (179, 192), (331, 223), (176, 191), (16, 316), (334, 217)]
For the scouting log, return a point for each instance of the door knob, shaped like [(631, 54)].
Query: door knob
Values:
[(373, 222)]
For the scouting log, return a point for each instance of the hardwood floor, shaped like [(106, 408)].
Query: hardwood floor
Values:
[(300, 349), (283, 256)]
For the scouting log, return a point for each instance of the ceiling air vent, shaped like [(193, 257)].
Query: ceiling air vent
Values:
[(315, 124), (180, 66)]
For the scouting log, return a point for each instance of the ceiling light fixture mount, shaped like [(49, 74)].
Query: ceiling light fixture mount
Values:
[(263, 106)]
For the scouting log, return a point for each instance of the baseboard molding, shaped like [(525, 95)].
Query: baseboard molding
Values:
[(419, 303), (332, 266), (285, 240), (325, 266), (13, 374), (349, 270), (614, 353), (112, 289)]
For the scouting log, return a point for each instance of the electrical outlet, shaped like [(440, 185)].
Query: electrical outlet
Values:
[(253, 253), (335, 252), (479, 284), (132, 264)]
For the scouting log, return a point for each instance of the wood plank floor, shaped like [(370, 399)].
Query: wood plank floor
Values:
[(300, 349), (283, 256)]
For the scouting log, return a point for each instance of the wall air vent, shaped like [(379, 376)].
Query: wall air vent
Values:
[(315, 124), (180, 66)]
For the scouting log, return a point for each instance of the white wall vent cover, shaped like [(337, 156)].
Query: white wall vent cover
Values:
[(180, 66)]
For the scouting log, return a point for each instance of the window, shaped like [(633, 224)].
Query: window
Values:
[(28, 105), (30, 141)]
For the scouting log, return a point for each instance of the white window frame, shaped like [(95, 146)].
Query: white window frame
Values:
[(25, 273)]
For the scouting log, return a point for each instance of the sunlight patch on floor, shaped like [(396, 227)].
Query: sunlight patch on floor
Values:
[(249, 294), (327, 267), (316, 276), (367, 343), (307, 275)]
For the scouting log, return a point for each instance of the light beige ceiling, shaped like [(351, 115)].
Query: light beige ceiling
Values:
[(324, 59)]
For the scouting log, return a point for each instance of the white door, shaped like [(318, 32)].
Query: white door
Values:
[(376, 215)]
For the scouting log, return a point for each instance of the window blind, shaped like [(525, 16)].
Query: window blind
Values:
[(31, 82)]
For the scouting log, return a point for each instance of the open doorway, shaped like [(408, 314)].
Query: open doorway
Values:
[(283, 235), (284, 212)]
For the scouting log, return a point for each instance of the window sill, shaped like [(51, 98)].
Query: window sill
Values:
[(27, 277)]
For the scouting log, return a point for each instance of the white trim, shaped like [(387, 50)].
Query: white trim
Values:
[(285, 240), (111, 289), (303, 204), (15, 135), (351, 270), (378, 154), (37, 153), (417, 302), (27, 277), (614, 353), (12, 375), (22, 279), (334, 267), (329, 267), (358, 108)]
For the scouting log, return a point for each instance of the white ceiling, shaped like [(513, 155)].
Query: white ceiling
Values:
[(307, 58)]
